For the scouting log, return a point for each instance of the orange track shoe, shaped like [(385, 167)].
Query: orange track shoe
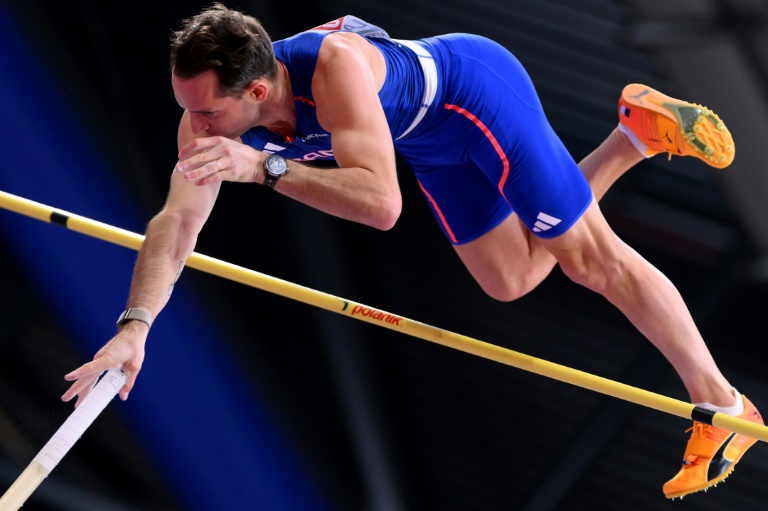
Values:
[(668, 125), (711, 455)]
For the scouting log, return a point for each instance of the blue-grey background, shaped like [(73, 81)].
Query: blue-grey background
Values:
[(251, 401)]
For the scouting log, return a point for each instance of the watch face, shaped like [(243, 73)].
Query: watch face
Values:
[(276, 165)]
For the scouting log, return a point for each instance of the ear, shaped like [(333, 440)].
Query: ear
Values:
[(257, 90)]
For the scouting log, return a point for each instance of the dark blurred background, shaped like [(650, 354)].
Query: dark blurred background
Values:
[(251, 401)]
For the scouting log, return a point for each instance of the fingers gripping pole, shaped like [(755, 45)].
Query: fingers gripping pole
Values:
[(64, 438), (387, 320)]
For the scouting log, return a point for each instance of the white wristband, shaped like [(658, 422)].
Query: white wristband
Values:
[(135, 313)]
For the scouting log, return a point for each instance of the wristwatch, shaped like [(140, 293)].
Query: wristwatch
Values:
[(275, 167), (135, 313)]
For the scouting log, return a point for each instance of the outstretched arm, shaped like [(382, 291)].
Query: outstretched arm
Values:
[(170, 239)]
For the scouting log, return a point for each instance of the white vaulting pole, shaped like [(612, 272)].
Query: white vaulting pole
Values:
[(64, 438)]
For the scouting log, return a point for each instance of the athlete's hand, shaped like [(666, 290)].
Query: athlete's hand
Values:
[(214, 159), (124, 351)]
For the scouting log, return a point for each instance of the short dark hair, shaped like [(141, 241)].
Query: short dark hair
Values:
[(233, 45)]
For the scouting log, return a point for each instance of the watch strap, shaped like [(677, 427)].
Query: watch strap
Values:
[(270, 180), (136, 313)]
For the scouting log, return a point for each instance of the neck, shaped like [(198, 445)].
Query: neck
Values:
[(280, 115)]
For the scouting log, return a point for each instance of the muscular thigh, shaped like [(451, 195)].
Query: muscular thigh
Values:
[(464, 202), (506, 261), (514, 144), (589, 250), (494, 172), (491, 147), (494, 245)]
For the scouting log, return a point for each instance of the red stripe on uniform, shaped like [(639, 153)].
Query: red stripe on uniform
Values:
[(439, 213), (304, 100), (491, 139)]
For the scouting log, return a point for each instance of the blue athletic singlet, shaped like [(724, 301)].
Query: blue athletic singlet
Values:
[(465, 116)]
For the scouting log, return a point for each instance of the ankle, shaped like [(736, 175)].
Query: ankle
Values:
[(631, 140), (731, 405)]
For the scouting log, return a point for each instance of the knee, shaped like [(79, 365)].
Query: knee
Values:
[(506, 288), (599, 273)]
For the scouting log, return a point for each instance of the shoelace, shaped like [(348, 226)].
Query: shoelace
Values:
[(701, 430), (698, 429), (698, 432)]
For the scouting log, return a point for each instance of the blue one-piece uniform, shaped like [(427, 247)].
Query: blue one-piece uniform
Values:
[(465, 116)]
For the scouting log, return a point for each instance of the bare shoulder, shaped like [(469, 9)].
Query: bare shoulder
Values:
[(347, 50), (339, 43), (350, 71)]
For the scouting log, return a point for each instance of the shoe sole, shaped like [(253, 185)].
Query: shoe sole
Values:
[(705, 133)]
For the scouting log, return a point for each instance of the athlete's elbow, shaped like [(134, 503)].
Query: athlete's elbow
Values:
[(389, 212), (176, 232)]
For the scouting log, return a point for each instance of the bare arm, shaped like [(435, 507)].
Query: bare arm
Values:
[(345, 86), (365, 187), (170, 239)]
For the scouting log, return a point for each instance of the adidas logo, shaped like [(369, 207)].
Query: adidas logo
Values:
[(271, 148), (545, 222)]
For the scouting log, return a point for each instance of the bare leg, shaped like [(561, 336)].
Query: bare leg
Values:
[(509, 261), (592, 255), (606, 164)]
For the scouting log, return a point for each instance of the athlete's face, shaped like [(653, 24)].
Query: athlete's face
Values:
[(209, 112)]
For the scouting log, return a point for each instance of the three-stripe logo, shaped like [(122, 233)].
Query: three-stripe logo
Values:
[(545, 222), (271, 148)]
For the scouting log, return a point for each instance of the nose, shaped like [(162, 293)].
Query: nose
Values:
[(197, 123)]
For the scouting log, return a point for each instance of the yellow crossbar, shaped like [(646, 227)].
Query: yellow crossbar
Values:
[(392, 321)]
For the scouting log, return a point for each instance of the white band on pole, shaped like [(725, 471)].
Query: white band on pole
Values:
[(64, 438), (83, 416)]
